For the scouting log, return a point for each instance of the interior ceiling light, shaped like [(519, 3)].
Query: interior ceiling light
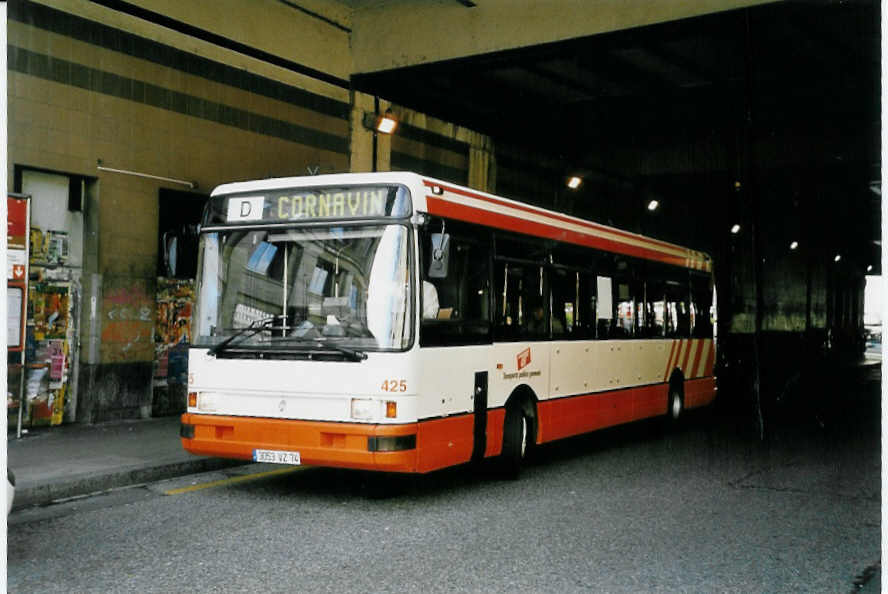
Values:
[(837, 258), (869, 268), (574, 182), (652, 205), (735, 229), (794, 245)]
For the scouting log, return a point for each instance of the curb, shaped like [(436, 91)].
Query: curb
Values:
[(40, 494)]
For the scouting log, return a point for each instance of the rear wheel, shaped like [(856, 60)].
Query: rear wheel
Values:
[(676, 404), (516, 442)]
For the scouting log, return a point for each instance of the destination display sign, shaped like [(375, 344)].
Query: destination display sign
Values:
[(308, 204)]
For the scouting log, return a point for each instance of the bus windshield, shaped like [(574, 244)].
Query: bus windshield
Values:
[(346, 287)]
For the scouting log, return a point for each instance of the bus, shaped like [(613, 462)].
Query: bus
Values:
[(394, 322)]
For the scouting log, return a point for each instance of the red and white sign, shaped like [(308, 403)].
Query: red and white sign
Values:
[(16, 223), (523, 358), (15, 264)]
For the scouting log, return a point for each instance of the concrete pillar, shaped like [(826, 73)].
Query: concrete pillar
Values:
[(364, 142), (482, 163)]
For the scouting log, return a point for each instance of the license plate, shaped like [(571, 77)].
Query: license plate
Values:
[(276, 457)]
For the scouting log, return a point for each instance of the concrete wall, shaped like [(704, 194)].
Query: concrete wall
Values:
[(87, 84)]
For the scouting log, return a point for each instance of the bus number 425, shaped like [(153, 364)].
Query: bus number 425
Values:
[(394, 385)]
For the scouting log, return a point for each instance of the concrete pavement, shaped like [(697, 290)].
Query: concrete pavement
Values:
[(71, 460)]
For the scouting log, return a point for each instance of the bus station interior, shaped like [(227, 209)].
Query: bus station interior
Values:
[(750, 131)]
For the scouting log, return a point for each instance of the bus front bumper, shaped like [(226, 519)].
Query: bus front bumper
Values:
[(389, 448)]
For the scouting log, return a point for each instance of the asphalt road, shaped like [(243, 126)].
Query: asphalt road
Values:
[(705, 508)]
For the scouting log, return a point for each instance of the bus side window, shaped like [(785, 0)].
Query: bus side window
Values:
[(624, 318), (565, 301), (678, 317), (456, 308), (701, 303), (586, 312), (655, 308), (509, 285), (604, 308)]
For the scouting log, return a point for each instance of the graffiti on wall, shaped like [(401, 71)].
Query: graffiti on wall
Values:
[(128, 321)]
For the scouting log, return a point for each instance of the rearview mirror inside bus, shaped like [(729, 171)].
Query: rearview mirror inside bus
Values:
[(440, 255)]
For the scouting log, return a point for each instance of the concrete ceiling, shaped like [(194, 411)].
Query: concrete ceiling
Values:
[(784, 96)]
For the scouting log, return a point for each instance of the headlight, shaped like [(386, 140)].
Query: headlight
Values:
[(206, 402), (363, 408)]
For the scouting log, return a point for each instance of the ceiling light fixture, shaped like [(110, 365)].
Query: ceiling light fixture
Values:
[(652, 205), (735, 229), (574, 182), (837, 258), (794, 245), (383, 123)]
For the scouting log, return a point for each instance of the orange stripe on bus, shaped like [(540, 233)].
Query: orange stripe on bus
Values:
[(699, 392), (679, 354), (692, 370), (495, 421), (687, 356), (564, 417), (444, 442), (318, 443), (700, 365), (669, 362)]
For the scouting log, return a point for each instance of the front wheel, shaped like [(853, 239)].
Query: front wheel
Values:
[(516, 442)]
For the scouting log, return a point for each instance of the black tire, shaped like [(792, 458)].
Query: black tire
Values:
[(674, 404), (516, 442)]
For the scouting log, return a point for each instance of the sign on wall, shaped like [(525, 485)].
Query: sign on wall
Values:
[(17, 223)]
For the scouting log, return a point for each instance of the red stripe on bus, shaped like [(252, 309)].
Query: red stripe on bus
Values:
[(564, 417), (511, 223), (687, 356), (669, 362), (699, 392), (495, 420), (444, 442), (553, 215), (692, 370)]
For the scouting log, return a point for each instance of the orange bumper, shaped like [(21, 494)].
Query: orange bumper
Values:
[(318, 443)]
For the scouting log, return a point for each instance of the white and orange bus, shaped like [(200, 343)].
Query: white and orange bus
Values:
[(394, 322)]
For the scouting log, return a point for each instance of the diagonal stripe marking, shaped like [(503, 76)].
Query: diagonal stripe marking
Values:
[(233, 480)]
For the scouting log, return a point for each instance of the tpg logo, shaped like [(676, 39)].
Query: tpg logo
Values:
[(523, 358)]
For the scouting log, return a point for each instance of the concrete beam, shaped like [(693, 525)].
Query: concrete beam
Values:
[(403, 33)]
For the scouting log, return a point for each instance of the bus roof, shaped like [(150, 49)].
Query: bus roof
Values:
[(441, 198)]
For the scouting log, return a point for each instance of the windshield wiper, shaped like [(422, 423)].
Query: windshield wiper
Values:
[(352, 354), (256, 326)]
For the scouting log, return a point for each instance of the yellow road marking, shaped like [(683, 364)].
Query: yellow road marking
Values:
[(233, 480)]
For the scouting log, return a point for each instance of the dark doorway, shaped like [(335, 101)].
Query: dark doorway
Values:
[(179, 215)]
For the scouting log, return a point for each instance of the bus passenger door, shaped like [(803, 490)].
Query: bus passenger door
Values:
[(480, 409)]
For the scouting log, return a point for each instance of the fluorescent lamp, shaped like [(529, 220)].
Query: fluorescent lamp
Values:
[(384, 123)]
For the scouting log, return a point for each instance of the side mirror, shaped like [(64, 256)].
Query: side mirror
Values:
[(440, 255)]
